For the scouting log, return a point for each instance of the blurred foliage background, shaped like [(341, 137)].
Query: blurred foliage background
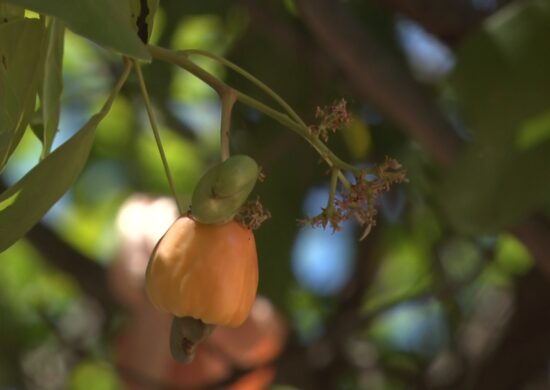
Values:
[(449, 291)]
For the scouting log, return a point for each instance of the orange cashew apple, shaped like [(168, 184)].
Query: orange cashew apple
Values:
[(205, 271)]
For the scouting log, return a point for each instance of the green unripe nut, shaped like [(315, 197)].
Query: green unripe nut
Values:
[(223, 189)]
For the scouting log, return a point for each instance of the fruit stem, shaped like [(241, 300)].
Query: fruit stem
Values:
[(228, 100), (154, 127), (251, 78), (180, 59), (332, 192)]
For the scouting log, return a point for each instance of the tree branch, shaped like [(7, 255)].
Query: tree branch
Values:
[(535, 234), (523, 352), (378, 78)]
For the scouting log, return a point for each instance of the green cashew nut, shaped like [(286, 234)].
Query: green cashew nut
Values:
[(222, 190)]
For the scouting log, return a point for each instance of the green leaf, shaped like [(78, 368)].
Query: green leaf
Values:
[(357, 137), (90, 374), (22, 205), (52, 85), (19, 79), (36, 124), (535, 131), (10, 13), (405, 271), (502, 86), (493, 187), (106, 22)]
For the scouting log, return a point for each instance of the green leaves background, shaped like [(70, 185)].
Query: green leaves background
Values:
[(31, 53), (23, 204), (19, 79), (502, 86)]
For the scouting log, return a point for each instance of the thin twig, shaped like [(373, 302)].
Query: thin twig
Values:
[(154, 127), (228, 100)]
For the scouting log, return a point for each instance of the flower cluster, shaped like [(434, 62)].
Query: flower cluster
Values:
[(252, 214), (358, 200), (331, 119)]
